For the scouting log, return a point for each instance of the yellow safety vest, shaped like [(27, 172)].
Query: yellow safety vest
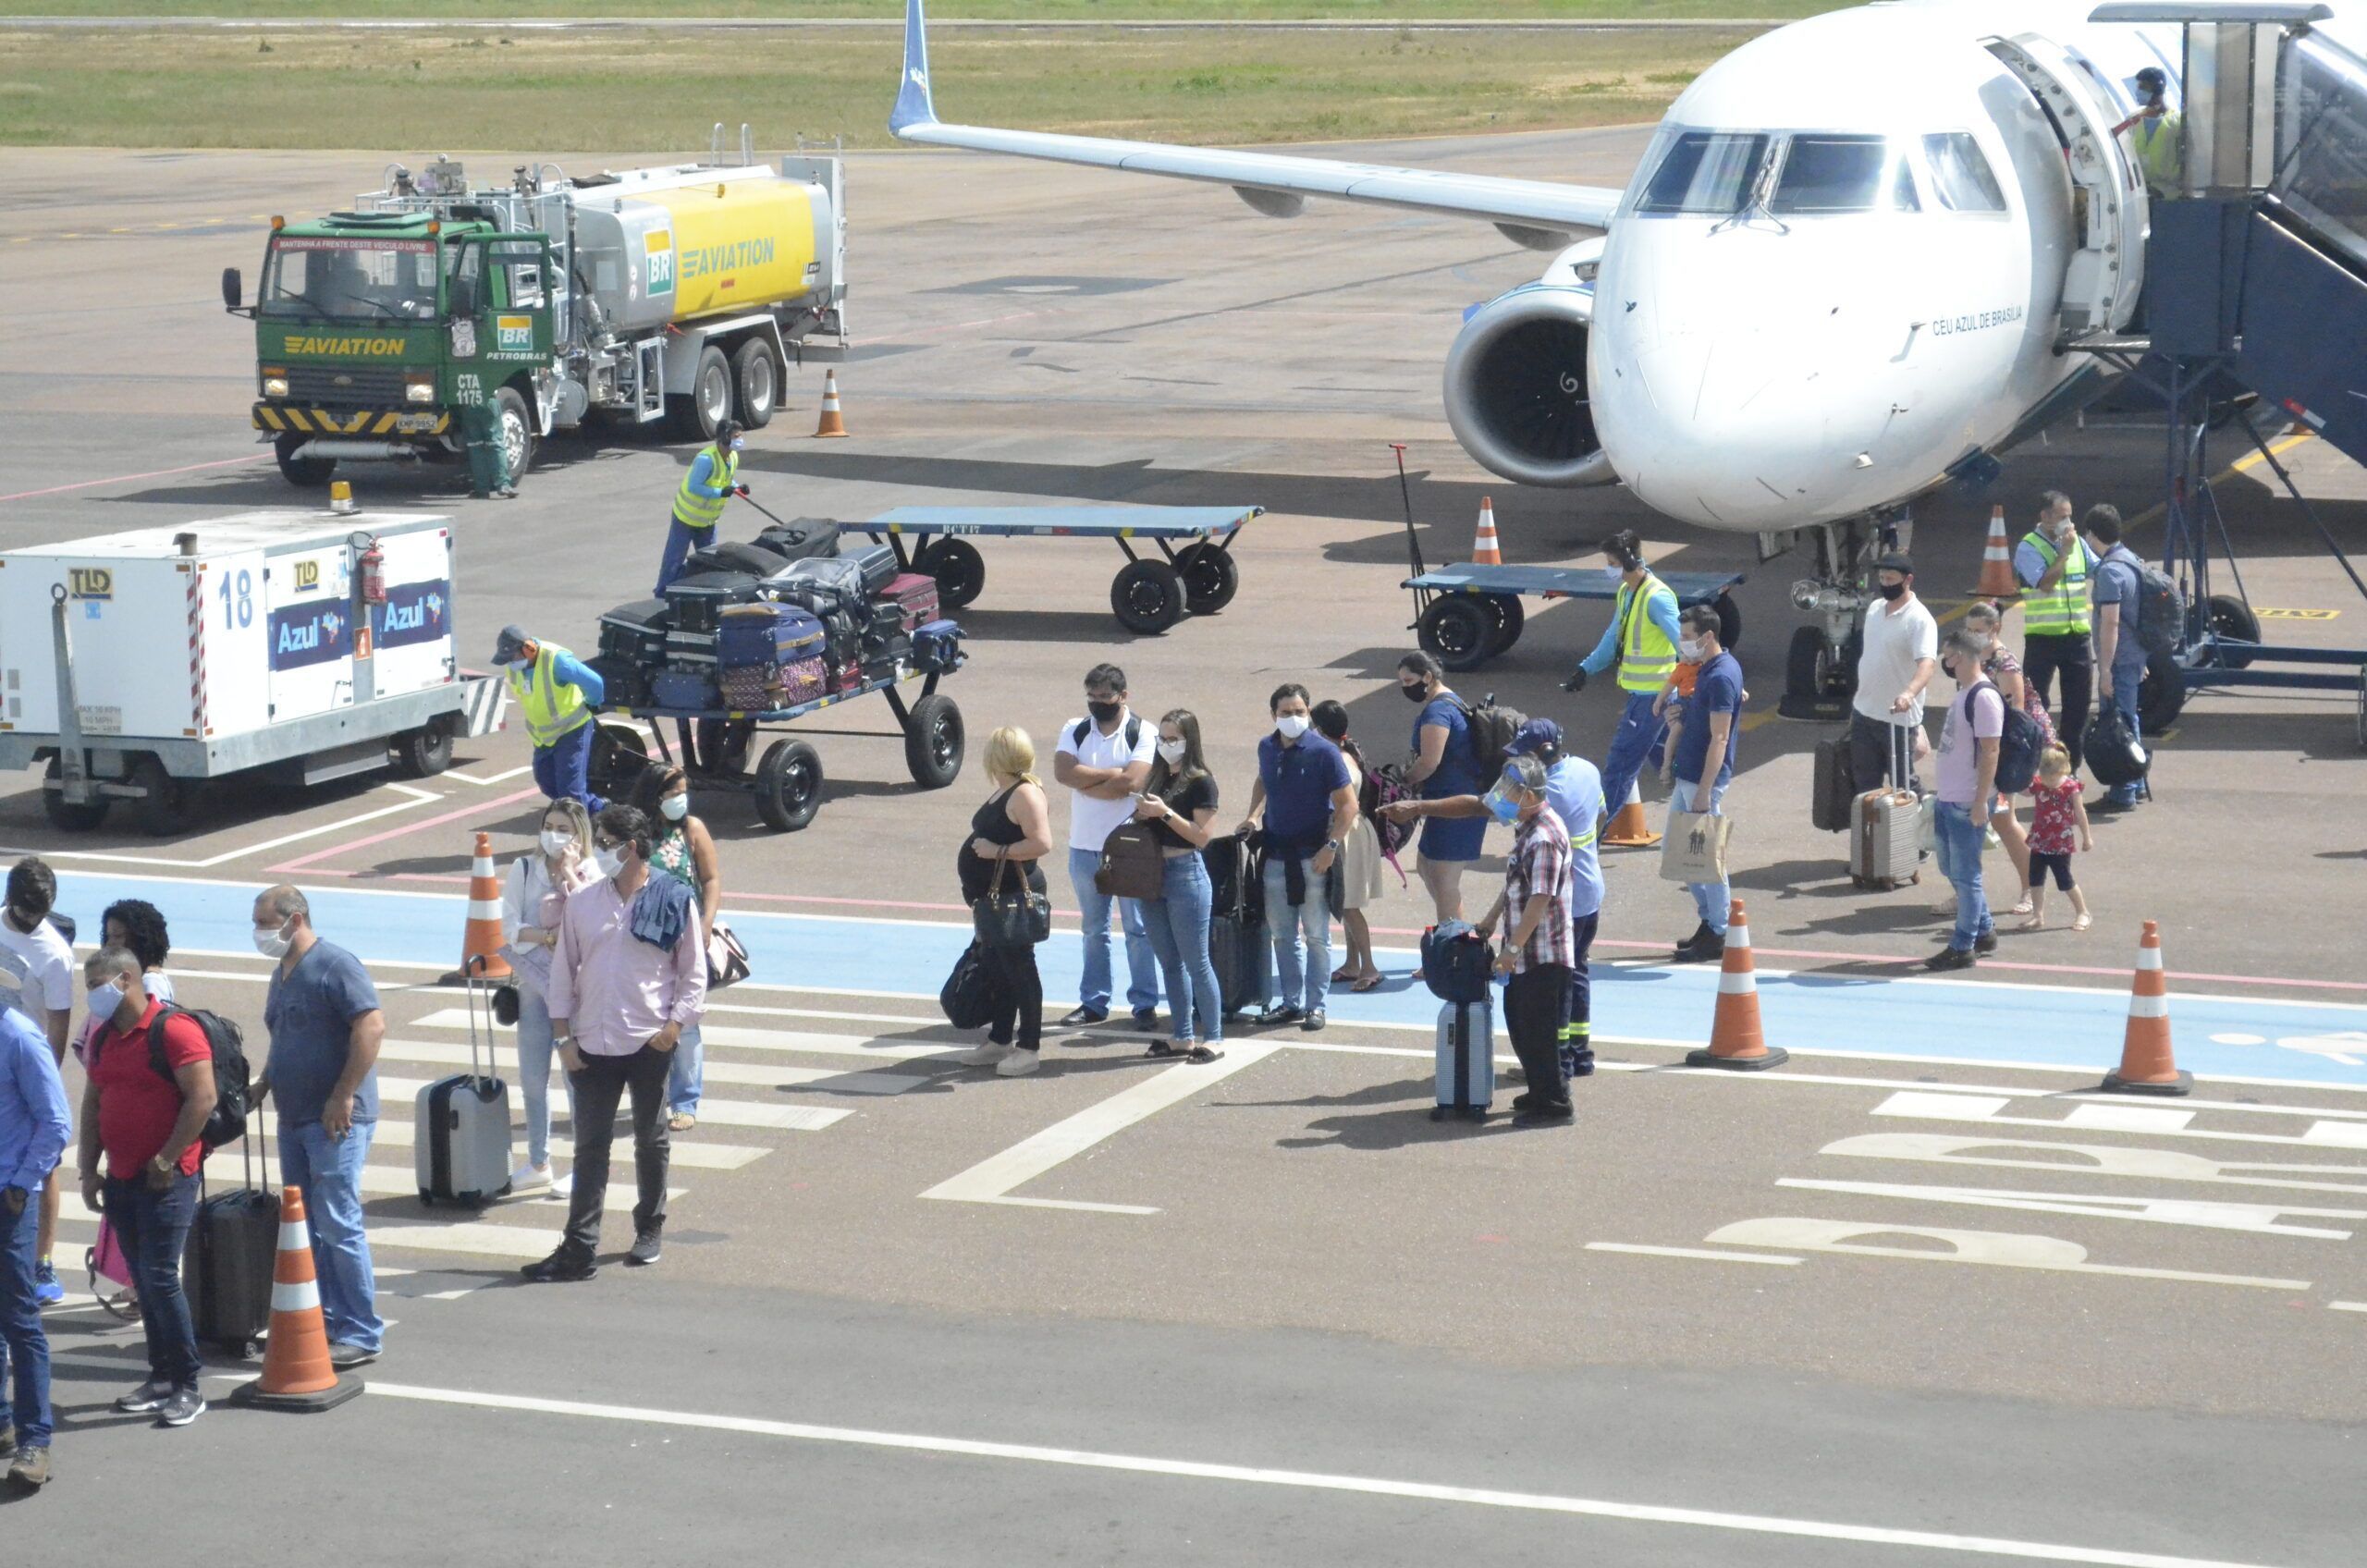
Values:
[(692, 510), (1646, 655), (551, 709), (2062, 610), (2161, 152)]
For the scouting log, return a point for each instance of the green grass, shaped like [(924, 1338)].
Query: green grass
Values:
[(1062, 10), (661, 91)]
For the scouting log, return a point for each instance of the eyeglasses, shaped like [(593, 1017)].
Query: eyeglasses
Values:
[(603, 842)]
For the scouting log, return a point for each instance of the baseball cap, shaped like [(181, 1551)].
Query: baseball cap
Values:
[(1536, 735), (513, 644)]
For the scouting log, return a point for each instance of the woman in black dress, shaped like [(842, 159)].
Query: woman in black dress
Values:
[(1014, 827)]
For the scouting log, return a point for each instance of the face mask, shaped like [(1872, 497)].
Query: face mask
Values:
[(271, 943), (1105, 713), (1291, 726), (1614, 572), (1501, 806), (1689, 649), (673, 808), (610, 861), (738, 445), (555, 844), (1893, 591), (104, 1001), (1173, 750), (1413, 693), (22, 921)]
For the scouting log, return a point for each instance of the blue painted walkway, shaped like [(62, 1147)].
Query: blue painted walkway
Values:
[(1978, 1021)]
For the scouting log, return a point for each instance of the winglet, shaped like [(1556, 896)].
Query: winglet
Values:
[(913, 107)]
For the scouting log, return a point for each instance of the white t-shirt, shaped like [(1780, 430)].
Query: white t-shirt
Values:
[(1896, 643), (1091, 820), (48, 964)]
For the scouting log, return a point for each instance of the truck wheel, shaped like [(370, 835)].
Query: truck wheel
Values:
[(1148, 597), (1454, 630), (756, 373), (700, 415), (1211, 577), (933, 742), (960, 570), (516, 422), (170, 805), (424, 752), (305, 473), (788, 785), (2229, 617), (70, 818)]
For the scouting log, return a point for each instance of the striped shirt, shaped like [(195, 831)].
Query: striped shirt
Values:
[(1540, 868)]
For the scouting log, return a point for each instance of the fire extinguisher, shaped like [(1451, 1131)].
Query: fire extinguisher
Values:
[(370, 566)]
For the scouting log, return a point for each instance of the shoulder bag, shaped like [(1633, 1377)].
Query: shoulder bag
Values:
[(727, 959), (1014, 917)]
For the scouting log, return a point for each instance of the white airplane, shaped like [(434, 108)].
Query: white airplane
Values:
[(1844, 271)]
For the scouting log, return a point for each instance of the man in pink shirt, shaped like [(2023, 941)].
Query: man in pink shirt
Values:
[(628, 975)]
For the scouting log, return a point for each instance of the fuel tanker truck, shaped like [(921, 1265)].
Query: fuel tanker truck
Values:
[(620, 299)]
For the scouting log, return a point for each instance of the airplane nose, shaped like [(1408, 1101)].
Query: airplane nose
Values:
[(1723, 429)]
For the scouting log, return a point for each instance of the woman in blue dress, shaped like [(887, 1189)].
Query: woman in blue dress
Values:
[(1444, 764)]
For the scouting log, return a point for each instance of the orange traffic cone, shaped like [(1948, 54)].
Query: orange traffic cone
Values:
[(1997, 580), (481, 946), (1629, 830), (832, 424), (2146, 1065), (296, 1370), (1484, 548), (1735, 1040)]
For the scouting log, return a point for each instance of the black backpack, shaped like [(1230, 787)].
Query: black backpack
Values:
[(229, 1122), (1085, 727), (1493, 729), (2161, 608), (2018, 747)]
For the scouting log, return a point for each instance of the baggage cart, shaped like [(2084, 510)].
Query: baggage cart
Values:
[(1467, 615)]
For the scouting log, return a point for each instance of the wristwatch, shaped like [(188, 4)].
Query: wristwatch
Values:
[(1332, 844)]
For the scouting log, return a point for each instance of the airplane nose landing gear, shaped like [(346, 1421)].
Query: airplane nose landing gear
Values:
[(1821, 668)]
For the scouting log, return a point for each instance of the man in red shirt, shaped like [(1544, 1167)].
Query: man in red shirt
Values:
[(147, 1119)]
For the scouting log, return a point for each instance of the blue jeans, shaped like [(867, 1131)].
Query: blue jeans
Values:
[(328, 1171), (562, 769), (1633, 742), (1961, 835), (1179, 934), (681, 540), (1302, 946), (1142, 962), (535, 1052), (2126, 680), (1712, 899), (24, 1348), (153, 1229), (686, 1075)]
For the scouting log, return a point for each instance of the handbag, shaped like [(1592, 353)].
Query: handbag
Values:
[(1132, 865), (1693, 850), (727, 959), (967, 996), (1020, 918)]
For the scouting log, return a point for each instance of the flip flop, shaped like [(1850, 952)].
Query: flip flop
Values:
[(1368, 982), (2082, 923), (1341, 976)]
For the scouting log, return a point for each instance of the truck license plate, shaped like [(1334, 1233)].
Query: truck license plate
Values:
[(100, 721), (414, 425)]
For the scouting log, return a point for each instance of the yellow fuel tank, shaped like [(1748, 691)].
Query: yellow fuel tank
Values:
[(726, 247)]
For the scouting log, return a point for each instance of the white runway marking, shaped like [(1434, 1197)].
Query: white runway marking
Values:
[(2127, 1119), (835, 1079), (2093, 1160), (2261, 1218), (418, 796), (1999, 1249), (691, 1149), (991, 1181), (1702, 1252), (1930, 1107), (2349, 1306), (723, 1113), (1309, 1480)]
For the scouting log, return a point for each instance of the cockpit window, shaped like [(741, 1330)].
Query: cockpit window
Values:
[(1961, 176), (1705, 172), (1832, 174)]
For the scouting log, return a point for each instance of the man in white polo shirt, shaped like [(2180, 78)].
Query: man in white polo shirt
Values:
[(51, 979), (1902, 651), (1103, 758)]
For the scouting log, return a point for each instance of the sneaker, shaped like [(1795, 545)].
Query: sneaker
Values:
[(1708, 948), (344, 1355), (185, 1407), (562, 1268), (530, 1177), (30, 1468), (643, 1252), (1083, 1016), (47, 1292), (1018, 1064), (1147, 1018), (984, 1056), (146, 1400), (1950, 958), (1985, 943), (1275, 1015), (1313, 1022)]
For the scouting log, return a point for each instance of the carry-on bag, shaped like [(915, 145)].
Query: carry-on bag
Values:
[(1836, 786), (799, 538), (937, 646), (698, 600), (460, 1151), (915, 596), (686, 686), (767, 633), (1456, 962), (968, 994), (1242, 956), (876, 563), (233, 1248), (1467, 1058), (732, 556), (105, 1259), (2115, 753), (636, 632), (1886, 826)]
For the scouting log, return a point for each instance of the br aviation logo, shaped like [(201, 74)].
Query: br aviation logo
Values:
[(657, 248), (515, 333)]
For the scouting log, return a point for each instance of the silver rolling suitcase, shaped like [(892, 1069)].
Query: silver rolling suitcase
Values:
[(1886, 826), (461, 1149), (1467, 1061)]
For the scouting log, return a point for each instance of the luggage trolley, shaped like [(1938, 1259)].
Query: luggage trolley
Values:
[(1467, 615), (787, 780), (1149, 595)]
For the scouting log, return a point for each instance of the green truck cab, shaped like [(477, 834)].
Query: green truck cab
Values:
[(376, 332)]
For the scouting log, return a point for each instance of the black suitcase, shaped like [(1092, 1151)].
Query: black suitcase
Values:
[(801, 538), (698, 601), (878, 563), (730, 556), (1836, 786), (636, 632), (624, 682), (233, 1250)]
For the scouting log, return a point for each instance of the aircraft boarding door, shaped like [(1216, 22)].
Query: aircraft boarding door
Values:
[(2101, 286)]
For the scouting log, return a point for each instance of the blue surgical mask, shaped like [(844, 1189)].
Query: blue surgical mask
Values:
[(738, 445), (1614, 572), (1501, 806), (105, 1000)]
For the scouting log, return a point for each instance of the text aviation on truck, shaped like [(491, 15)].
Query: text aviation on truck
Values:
[(624, 298)]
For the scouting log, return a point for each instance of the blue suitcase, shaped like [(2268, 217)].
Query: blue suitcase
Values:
[(767, 633), (1466, 1069), (690, 686), (937, 646)]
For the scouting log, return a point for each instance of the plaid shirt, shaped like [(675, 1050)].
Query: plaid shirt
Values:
[(1540, 868)]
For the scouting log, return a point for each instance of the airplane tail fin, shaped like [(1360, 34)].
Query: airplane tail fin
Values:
[(913, 107)]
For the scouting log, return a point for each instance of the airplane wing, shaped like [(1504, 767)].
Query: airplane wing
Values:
[(1532, 212)]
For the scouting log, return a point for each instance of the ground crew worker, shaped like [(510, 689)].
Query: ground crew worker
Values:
[(489, 453), (2057, 568), (2156, 134), (557, 692), (714, 479), (1642, 639)]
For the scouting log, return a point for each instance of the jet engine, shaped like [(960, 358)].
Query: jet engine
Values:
[(1516, 380)]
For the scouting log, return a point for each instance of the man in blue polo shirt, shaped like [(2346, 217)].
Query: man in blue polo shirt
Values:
[(34, 1133), (1306, 807), (1704, 765)]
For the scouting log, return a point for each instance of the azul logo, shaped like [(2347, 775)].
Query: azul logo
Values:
[(513, 332), (920, 78), (309, 634), (657, 248), (414, 612)]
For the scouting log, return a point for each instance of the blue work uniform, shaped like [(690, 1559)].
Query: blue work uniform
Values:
[(1641, 729)]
